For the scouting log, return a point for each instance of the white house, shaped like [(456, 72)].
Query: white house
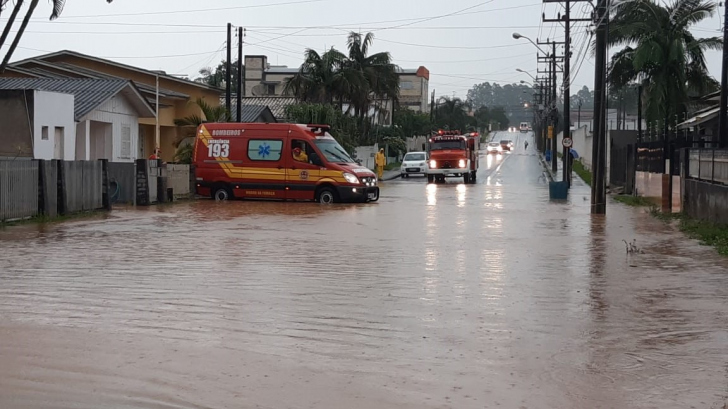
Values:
[(78, 119)]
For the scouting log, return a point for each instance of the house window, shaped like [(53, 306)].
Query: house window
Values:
[(406, 85), (125, 142), (265, 149), (271, 89), (44, 133)]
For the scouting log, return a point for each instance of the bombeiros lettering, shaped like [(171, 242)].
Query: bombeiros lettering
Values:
[(226, 132)]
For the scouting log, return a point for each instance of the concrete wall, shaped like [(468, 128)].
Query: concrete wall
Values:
[(417, 143), (706, 201), (55, 111), (178, 178), (582, 144), (650, 185), (16, 117)]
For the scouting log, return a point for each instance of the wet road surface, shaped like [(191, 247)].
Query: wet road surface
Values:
[(438, 296)]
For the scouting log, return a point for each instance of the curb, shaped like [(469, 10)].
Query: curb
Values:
[(546, 167)]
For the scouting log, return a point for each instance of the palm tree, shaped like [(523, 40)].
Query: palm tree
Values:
[(320, 79), (373, 76), (209, 114), (57, 9), (661, 53), (453, 113)]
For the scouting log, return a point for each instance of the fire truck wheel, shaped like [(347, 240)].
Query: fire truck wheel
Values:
[(221, 192), (430, 178), (326, 196), (473, 175), (466, 178)]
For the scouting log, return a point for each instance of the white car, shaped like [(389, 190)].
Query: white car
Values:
[(494, 147), (414, 163)]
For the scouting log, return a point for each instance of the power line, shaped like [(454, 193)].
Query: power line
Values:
[(154, 13)]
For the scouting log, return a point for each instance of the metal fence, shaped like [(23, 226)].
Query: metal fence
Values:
[(83, 182), (708, 164), (18, 189)]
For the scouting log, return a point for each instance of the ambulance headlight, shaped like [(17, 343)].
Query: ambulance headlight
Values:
[(351, 178)]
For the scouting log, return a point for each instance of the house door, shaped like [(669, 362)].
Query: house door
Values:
[(58, 143)]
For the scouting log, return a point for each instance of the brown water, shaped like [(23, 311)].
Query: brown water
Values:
[(446, 296)]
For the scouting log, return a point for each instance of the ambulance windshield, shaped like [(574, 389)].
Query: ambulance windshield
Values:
[(333, 151)]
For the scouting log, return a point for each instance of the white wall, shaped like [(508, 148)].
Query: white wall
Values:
[(582, 144), (53, 109), (120, 114)]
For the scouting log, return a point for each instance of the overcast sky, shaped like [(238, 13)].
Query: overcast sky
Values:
[(461, 42)]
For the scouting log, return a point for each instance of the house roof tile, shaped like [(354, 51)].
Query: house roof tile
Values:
[(88, 93)]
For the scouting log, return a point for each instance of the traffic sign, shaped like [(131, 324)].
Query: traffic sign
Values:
[(567, 142)]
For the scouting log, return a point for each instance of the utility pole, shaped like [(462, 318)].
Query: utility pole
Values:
[(432, 108), (566, 20), (723, 116), (240, 76), (599, 142), (639, 113), (553, 113), (228, 69)]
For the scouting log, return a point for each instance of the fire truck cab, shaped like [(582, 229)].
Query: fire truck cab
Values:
[(451, 154)]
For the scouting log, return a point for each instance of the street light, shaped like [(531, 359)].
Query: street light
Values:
[(527, 73), (519, 36)]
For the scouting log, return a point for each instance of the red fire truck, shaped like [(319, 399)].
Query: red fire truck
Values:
[(452, 154)]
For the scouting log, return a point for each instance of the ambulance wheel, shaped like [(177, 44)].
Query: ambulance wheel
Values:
[(221, 193), (326, 196)]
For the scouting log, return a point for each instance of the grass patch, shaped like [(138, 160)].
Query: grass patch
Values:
[(583, 173), (636, 201), (709, 234), (392, 166)]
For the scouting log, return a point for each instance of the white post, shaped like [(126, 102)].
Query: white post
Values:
[(156, 117)]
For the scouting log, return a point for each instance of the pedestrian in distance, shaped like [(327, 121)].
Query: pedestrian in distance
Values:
[(526, 145), (380, 160)]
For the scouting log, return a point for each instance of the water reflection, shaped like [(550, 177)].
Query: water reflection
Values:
[(461, 191), (431, 194)]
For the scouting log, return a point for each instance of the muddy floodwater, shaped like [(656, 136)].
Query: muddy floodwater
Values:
[(437, 296)]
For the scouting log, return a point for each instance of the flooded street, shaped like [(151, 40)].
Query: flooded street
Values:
[(437, 296)]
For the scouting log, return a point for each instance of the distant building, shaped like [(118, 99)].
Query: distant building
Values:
[(265, 80)]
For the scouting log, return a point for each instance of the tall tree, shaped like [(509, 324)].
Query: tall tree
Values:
[(369, 76), (215, 77), (57, 9), (661, 53), (320, 79), (452, 113)]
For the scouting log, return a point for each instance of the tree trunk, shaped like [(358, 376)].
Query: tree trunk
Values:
[(21, 30), (10, 22)]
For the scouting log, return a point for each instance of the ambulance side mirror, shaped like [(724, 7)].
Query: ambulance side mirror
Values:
[(316, 160)]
